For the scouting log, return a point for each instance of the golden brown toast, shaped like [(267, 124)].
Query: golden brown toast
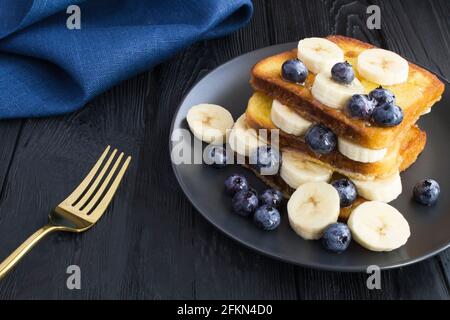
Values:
[(420, 92), (400, 155)]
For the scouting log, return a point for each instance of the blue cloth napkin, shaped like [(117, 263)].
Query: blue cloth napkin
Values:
[(48, 69)]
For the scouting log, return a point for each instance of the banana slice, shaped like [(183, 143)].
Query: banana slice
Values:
[(297, 170), (333, 94), (319, 55), (242, 139), (378, 226), (288, 120), (383, 67), (209, 122), (357, 153), (385, 190), (311, 208)]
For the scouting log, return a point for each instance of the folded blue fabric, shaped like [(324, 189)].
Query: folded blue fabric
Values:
[(48, 69)]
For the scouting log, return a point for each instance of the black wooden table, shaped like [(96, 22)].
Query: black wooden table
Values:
[(152, 243)]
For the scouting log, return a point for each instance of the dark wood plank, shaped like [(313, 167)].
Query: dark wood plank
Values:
[(51, 157), (420, 31), (151, 243), (9, 134), (444, 259), (414, 282)]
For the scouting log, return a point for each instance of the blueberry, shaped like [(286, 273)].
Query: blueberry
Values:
[(267, 217), (342, 72), (387, 115), (320, 139), (294, 70), (346, 190), (235, 183), (254, 191), (336, 237), (360, 106), (382, 96), (245, 202), (271, 197), (426, 192), (216, 156), (266, 159)]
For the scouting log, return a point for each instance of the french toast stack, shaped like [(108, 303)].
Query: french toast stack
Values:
[(368, 150)]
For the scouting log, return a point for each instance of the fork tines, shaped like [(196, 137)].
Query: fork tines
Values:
[(95, 192)]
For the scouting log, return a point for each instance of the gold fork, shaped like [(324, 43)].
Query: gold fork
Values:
[(79, 211)]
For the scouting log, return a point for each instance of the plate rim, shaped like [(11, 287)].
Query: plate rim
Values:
[(317, 266)]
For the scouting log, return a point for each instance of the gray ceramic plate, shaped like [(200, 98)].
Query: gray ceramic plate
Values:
[(228, 86)]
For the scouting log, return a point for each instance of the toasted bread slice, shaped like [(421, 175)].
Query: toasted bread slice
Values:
[(400, 155), (420, 92)]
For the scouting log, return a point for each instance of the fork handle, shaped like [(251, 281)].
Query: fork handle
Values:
[(18, 254)]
